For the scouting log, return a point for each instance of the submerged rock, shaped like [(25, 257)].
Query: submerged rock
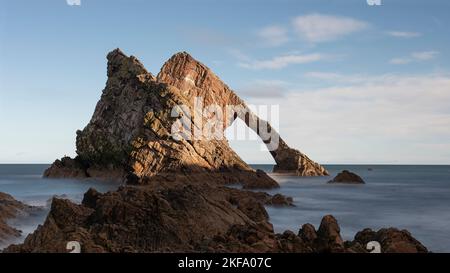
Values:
[(130, 134), (279, 200), (346, 177)]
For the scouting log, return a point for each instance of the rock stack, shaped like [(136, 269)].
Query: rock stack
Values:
[(130, 134)]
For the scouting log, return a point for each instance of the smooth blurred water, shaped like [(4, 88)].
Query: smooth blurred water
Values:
[(25, 183), (416, 198)]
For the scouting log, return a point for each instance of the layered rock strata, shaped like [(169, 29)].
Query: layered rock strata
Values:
[(130, 136)]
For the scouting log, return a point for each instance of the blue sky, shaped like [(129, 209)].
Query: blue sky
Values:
[(355, 83)]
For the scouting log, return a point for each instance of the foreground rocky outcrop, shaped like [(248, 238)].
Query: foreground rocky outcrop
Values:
[(392, 240), (9, 209), (193, 217), (130, 136), (166, 216), (347, 177)]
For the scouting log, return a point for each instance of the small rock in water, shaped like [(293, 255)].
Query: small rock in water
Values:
[(347, 177)]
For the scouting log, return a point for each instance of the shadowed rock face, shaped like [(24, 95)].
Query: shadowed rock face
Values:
[(129, 135), (194, 217), (163, 217), (9, 208), (392, 240)]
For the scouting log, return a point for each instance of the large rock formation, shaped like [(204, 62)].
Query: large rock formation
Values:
[(197, 80), (130, 134)]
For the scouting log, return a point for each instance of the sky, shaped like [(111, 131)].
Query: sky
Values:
[(355, 84)]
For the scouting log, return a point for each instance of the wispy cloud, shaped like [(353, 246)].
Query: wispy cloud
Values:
[(400, 60), (404, 34), (73, 2), (383, 110), (273, 35), (337, 78), (279, 62), (321, 28), (415, 57), (324, 75), (425, 55)]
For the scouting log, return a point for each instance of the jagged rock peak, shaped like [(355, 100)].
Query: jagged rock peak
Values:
[(124, 67), (193, 78), (115, 53), (182, 58), (182, 54)]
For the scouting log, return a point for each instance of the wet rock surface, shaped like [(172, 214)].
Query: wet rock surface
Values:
[(392, 240), (347, 177), (10, 209), (194, 217), (162, 217)]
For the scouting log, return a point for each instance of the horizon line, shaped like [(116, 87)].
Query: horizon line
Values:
[(325, 164)]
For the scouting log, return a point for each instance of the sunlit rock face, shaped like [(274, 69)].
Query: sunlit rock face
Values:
[(130, 136)]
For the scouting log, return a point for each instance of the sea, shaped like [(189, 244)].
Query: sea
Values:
[(416, 198)]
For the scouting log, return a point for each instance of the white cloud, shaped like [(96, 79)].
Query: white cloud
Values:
[(273, 35), (73, 2), (337, 78), (282, 61), (400, 61), (404, 34), (327, 76), (415, 57), (321, 28), (383, 119), (425, 55)]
